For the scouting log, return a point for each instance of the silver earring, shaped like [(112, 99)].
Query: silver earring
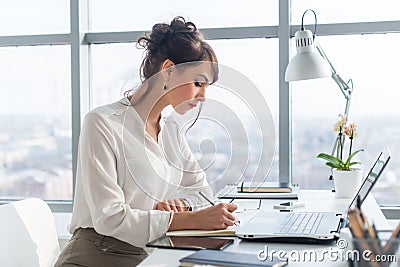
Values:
[(165, 87)]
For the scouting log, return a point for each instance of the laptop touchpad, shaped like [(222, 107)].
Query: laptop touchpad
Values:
[(265, 223), (265, 220)]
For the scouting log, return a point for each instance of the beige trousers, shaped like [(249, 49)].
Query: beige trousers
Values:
[(90, 249)]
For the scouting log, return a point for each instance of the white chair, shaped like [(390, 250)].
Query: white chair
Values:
[(28, 234)]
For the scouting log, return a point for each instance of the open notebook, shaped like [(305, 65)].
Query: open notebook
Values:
[(242, 217), (230, 231)]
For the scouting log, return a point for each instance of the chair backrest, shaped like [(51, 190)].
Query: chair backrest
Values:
[(28, 234)]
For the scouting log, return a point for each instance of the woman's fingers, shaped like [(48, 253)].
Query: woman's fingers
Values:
[(174, 205), (216, 217), (171, 203), (230, 216), (178, 204), (225, 215), (163, 206), (231, 207)]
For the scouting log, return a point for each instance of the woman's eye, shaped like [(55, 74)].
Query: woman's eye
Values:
[(198, 84)]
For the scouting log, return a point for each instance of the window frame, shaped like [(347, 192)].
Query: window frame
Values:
[(80, 40)]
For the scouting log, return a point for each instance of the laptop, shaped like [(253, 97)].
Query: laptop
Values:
[(309, 227)]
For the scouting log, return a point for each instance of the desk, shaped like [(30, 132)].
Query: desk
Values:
[(315, 200)]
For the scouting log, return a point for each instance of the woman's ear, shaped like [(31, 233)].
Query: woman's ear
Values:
[(167, 68)]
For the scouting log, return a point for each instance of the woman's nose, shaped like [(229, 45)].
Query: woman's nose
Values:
[(201, 94)]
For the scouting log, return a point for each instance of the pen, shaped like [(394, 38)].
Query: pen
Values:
[(209, 201), (206, 198)]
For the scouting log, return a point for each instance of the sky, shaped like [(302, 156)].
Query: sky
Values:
[(37, 79)]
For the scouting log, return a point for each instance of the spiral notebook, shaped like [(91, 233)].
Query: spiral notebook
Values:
[(231, 191), (229, 259)]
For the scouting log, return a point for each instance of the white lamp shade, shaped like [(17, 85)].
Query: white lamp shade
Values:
[(309, 65), (308, 62)]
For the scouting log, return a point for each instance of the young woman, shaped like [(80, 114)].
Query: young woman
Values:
[(136, 179)]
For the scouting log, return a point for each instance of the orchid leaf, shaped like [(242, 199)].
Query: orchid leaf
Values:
[(330, 158), (337, 161), (352, 155), (332, 165)]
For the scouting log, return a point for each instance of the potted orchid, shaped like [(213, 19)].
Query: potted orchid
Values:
[(337, 162), (346, 177)]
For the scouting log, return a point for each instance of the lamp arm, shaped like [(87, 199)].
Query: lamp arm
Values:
[(346, 91), (343, 86)]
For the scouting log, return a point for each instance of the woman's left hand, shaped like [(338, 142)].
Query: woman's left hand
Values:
[(174, 205)]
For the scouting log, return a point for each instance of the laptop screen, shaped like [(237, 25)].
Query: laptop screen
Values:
[(372, 176)]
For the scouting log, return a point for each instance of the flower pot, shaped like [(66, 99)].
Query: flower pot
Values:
[(347, 183)]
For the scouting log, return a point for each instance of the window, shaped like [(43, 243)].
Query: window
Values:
[(370, 61), (115, 69), (342, 11), (125, 15), (262, 73), (24, 17), (35, 107), (39, 121), (110, 81)]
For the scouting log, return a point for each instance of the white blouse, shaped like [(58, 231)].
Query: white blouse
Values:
[(123, 173)]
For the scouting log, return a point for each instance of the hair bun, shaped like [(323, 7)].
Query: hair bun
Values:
[(179, 41), (179, 24), (162, 32), (159, 34)]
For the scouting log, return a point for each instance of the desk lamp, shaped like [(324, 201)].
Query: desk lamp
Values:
[(311, 62)]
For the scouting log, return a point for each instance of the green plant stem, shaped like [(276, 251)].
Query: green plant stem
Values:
[(337, 146), (351, 143), (340, 145)]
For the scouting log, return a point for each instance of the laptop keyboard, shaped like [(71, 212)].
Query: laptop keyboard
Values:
[(301, 223)]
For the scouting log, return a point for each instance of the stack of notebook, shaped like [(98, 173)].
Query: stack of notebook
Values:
[(264, 190), (229, 259)]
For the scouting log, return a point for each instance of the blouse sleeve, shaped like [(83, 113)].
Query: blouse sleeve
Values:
[(110, 214), (194, 179)]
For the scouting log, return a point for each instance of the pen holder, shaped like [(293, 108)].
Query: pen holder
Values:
[(374, 252)]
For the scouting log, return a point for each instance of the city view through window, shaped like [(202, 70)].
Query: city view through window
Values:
[(35, 157), (35, 95), (35, 149), (37, 162)]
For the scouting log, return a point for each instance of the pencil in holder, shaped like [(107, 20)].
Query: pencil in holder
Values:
[(374, 252)]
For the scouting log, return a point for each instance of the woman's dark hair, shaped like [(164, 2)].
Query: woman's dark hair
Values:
[(179, 41)]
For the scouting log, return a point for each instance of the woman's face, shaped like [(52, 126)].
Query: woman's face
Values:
[(190, 89)]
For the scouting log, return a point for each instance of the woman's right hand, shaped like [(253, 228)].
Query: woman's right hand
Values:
[(215, 217)]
